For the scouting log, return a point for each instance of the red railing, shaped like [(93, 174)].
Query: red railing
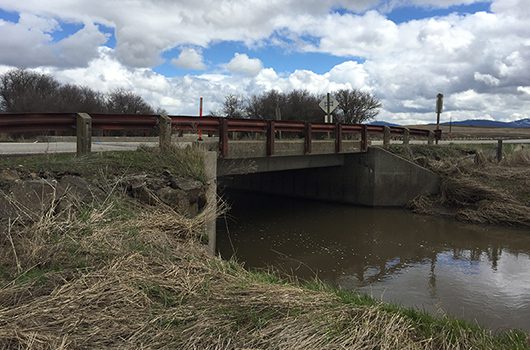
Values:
[(37, 122)]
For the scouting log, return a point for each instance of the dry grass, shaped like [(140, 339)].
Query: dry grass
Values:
[(475, 187), (116, 274)]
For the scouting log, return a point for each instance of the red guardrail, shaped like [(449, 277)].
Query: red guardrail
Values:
[(35, 122)]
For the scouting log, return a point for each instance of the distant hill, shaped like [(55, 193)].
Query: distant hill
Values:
[(522, 123), (382, 123)]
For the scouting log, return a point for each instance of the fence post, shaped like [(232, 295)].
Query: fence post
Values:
[(364, 138), (386, 136), (406, 136), (164, 125), (338, 138), (499, 150), (223, 137), (430, 140), (308, 134), (270, 137), (84, 134)]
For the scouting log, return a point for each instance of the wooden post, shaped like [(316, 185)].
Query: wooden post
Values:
[(364, 138), (499, 150), (406, 136), (84, 134), (270, 137), (430, 140), (164, 137), (308, 134), (223, 137), (338, 138), (386, 136)]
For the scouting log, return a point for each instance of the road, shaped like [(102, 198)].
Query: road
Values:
[(21, 148)]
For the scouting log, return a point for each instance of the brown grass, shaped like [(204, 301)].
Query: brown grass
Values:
[(117, 274), (478, 189)]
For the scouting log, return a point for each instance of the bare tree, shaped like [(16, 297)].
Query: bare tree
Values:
[(233, 107), (127, 102), (25, 91), (73, 98), (302, 105), (356, 106), (264, 106)]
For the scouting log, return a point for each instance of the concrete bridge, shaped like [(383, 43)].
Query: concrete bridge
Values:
[(332, 162), (312, 160)]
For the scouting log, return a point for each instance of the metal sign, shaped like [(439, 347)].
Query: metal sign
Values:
[(328, 104)]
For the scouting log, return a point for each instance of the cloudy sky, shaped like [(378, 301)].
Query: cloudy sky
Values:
[(172, 51)]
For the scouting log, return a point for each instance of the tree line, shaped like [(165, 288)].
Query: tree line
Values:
[(354, 106), (26, 91)]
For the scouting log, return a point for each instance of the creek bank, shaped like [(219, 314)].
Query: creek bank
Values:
[(475, 187), (122, 272)]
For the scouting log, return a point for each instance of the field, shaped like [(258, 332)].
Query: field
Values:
[(471, 132)]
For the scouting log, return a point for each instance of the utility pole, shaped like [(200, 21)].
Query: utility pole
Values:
[(439, 108)]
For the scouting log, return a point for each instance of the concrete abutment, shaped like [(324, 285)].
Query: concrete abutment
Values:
[(374, 178)]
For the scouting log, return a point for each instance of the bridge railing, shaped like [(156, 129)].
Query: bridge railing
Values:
[(16, 123)]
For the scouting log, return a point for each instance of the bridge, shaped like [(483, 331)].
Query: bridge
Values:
[(332, 162), (314, 160)]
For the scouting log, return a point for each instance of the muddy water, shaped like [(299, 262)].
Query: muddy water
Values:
[(439, 265)]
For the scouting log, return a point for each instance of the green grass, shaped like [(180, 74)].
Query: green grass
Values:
[(182, 162)]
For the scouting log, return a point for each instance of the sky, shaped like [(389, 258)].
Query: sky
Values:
[(171, 52)]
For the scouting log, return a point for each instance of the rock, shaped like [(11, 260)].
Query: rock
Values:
[(194, 189), (178, 200), (29, 199), (75, 189), (9, 175)]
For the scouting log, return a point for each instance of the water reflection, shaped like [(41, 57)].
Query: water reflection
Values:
[(442, 266)]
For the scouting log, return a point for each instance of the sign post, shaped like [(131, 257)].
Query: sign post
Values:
[(328, 105), (200, 116), (439, 108)]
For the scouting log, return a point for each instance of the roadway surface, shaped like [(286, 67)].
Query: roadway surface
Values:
[(21, 148)]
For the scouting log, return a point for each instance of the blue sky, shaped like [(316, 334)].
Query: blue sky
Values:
[(404, 52)]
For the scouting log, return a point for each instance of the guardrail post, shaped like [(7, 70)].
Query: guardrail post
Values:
[(223, 137), (386, 136), (430, 140), (406, 136), (364, 138), (499, 150), (308, 134), (338, 138), (164, 125), (270, 137), (84, 134)]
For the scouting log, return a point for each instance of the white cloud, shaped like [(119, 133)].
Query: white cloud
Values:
[(486, 79), (242, 64), (29, 43), (481, 61), (190, 59)]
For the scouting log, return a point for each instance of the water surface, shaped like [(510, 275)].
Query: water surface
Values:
[(472, 272)]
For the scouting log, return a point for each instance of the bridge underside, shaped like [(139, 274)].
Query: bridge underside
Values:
[(374, 178)]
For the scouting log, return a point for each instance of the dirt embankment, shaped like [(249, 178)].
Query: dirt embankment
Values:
[(109, 267), (475, 187)]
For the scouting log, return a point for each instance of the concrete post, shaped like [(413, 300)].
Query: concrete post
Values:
[(430, 140), (386, 137), (499, 150), (164, 124), (210, 171), (406, 136), (84, 134)]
